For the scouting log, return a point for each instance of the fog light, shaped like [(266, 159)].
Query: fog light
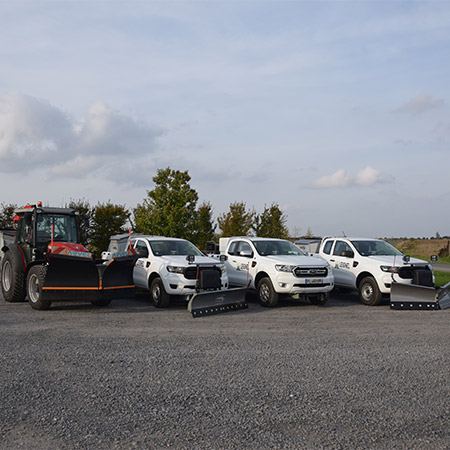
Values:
[(282, 285)]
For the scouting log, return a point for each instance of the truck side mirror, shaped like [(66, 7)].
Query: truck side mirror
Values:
[(406, 258), (223, 258), (190, 258), (434, 258)]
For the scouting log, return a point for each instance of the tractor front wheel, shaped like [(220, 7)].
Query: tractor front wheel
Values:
[(35, 281)]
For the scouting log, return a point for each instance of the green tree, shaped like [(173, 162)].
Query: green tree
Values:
[(237, 221), (205, 230), (86, 211), (107, 219), (271, 223), (170, 208), (7, 215)]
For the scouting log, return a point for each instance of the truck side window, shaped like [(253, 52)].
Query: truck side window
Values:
[(232, 248), (327, 247), (142, 249), (244, 247), (341, 247)]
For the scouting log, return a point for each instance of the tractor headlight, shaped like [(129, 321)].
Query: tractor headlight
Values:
[(175, 269), (284, 268)]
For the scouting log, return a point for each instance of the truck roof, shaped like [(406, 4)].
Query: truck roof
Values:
[(352, 238)]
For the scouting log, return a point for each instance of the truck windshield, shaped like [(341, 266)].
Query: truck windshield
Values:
[(174, 247), (375, 248), (269, 247), (64, 228)]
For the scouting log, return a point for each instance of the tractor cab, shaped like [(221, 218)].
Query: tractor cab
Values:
[(39, 227)]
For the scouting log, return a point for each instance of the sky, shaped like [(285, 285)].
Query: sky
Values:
[(338, 111)]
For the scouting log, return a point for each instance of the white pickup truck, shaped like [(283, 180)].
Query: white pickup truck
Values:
[(370, 266), (275, 266), (169, 266)]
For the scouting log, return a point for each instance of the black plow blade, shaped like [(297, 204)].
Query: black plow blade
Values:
[(207, 303)]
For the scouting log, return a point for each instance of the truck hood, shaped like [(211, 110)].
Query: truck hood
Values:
[(388, 260), (294, 260), (176, 260)]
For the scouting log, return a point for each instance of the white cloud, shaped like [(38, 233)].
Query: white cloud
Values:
[(36, 134), (420, 104), (341, 178)]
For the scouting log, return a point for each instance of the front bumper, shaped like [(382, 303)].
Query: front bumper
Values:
[(177, 284), (286, 283)]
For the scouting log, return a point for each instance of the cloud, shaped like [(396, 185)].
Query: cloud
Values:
[(36, 134), (420, 104), (364, 178)]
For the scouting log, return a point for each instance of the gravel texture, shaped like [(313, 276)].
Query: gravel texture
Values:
[(295, 377)]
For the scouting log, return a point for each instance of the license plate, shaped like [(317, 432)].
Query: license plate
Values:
[(314, 281)]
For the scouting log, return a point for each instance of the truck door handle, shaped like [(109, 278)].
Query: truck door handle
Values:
[(332, 260)]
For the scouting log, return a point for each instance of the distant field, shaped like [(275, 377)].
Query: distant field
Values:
[(441, 278), (422, 248)]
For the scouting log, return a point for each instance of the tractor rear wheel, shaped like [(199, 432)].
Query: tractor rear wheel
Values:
[(35, 281), (13, 280)]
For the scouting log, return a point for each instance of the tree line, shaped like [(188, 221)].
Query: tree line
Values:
[(169, 209)]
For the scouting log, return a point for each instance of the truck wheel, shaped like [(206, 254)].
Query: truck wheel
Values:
[(369, 293), (320, 299), (159, 295), (266, 293), (35, 281), (13, 280)]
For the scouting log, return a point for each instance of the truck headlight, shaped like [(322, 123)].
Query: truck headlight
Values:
[(284, 268), (389, 269), (175, 269)]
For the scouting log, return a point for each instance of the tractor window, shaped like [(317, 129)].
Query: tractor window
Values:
[(24, 229), (64, 228)]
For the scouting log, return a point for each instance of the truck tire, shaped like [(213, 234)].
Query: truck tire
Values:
[(369, 293), (266, 293), (13, 280), (160, 297), (35, 281), (319, 299)]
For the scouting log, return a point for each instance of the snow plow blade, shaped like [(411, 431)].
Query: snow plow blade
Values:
[(215, 302), (80, 278), (410, 296)]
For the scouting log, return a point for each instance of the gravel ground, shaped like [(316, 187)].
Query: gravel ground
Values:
[(294, 377)]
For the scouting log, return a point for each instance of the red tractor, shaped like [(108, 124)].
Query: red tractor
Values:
[(46, 262)]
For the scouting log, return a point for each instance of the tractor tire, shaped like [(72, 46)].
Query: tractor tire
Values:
[(369, 293), (160, 297), (13, 280), (101, 302), (319, 299), (35, 281), (266, 293)]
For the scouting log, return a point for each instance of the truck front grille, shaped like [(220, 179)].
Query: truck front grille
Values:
[(309, 272), (190, 273)]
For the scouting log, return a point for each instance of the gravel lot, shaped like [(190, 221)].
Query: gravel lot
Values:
[(298, 376)]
